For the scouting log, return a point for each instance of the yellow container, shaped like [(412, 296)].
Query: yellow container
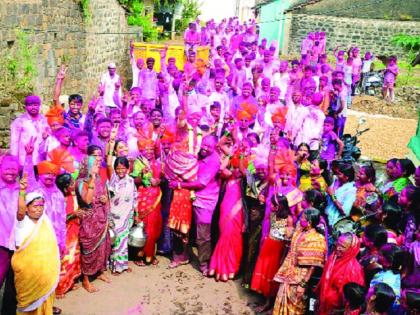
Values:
[(144, 51)]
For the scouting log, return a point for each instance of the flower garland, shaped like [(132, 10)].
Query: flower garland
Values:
[(193, 149)]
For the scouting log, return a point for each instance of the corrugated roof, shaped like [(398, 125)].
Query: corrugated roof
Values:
[(301, 5)]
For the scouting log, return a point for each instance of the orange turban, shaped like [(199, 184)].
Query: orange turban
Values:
[(200, 65), (284, 161), (144, 144), (167, 137), (63, 159), (47, 167), (279, 116), (55, 114), (243, 114), (251, 108)]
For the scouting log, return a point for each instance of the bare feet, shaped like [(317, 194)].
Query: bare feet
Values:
[(155, 262), (75, 287), (104, 278), (129, 270), (139, 263), (174, 264), (89, 286), (60, 296)]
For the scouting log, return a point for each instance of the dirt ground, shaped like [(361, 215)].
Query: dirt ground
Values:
[(155, 290), (375, 105), (387, 138)]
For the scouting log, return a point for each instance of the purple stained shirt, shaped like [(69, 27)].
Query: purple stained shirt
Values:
[(9, 196), (328, 148), (54, 203), (206, 198)]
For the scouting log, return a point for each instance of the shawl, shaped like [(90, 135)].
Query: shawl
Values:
[(339, 271), (180, 166)]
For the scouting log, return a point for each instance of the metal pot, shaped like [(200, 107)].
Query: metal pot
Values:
[(112, 235), (137, 236)]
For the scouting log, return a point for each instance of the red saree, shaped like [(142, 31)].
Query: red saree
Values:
[(339, 271), (181, 166), (149, 212), (227, 255), (70, 264)]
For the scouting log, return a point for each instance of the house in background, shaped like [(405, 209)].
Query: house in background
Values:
[(369, 24), (272, 20)]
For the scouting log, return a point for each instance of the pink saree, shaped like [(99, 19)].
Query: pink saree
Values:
[(226, 257)]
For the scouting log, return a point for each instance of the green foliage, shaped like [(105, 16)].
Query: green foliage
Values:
[(411, 45), (407, 42), (190, 11), (138, 18), (18, 66), (85, 8)]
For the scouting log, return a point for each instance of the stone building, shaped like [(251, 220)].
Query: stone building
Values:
[(61, 32), (368, 23)]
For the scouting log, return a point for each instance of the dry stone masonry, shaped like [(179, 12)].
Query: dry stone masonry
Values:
[(368, 34), (61, 33)]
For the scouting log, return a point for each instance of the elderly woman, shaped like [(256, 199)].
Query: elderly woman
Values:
[(36, 261), (341, 268), (307, 251), (94, 238)]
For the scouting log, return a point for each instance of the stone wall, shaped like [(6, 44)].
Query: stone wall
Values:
[(60, 31), (365, 9), (372, 35)]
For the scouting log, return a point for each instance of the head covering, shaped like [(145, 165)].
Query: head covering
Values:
[(317, 98), (144, 144), (55, 114), (32, 196), (261, 156), (249, 107), (47, 167), (167, 136), (112, 65), (31, 99), (243, 114), (337, 272), (279, 115)]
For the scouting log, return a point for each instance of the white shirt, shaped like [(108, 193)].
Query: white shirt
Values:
[(23, 229), (281, 80), (109, 88)]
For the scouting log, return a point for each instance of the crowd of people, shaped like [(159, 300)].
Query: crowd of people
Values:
[(239, 156)]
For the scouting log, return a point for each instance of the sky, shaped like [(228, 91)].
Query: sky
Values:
[(217, 9)]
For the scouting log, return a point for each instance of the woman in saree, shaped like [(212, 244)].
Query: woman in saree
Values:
[(398, 172), (70, 264), (272, 251), (341, 268), (164, 246), (226, 257), (147, 173), (341, 193), (368, 199), (123, 194), (307, 251), (94, 238), (36, 261), (182, 166)]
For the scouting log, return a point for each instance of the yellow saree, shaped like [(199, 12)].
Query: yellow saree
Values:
[(36, 265), (307, 248)]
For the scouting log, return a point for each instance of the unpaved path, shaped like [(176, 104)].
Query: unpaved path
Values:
[(388, 136), (155, 290)]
